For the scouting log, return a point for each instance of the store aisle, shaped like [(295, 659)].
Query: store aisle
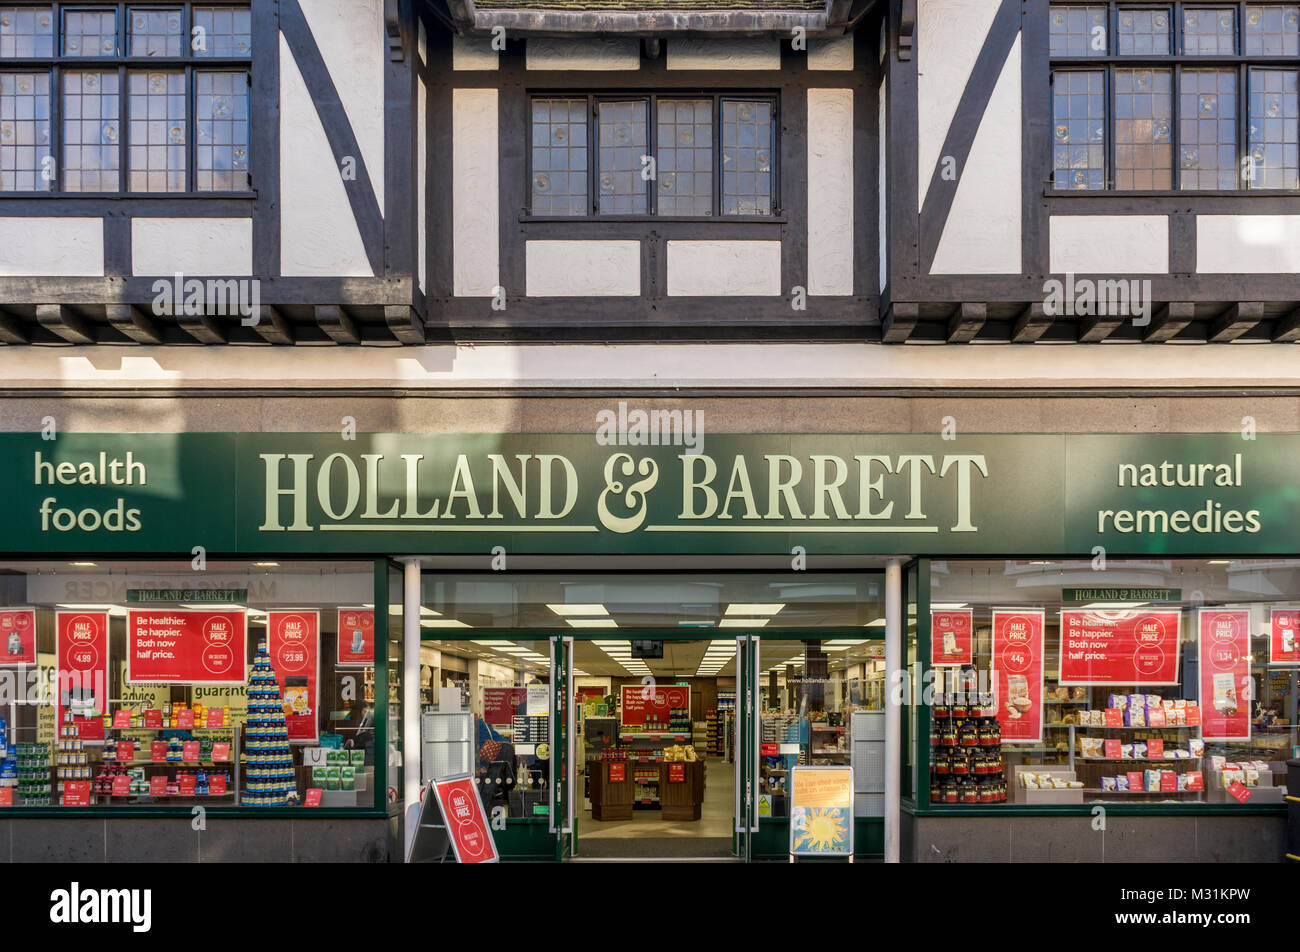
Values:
[(648, 834)]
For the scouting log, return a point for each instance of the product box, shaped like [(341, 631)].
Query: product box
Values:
[(347, 778), (358, 758), (332, 778), (1031, 797)]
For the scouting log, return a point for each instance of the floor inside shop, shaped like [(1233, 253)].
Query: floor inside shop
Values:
[(647, 834)]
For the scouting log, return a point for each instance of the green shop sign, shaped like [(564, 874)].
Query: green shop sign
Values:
[(267, 493)]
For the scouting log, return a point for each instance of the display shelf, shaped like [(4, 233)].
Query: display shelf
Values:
[(1136, 760), (826, 728), (638, 736), (1140, 793), (1125, 727), (1066, 702)]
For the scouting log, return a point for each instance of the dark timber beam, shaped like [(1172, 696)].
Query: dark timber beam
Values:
[(273, 326), (966, 322), (838, 12), (1032, 323), (334, 321), (12, 330), (522, 21), (405, 323), (1287, 329), (1235, 321), (906, 28), (1097, 327), (62, 321), (133, 323), (202, 328), (900, 320), (1169, 321)]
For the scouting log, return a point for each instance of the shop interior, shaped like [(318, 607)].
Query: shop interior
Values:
[(654, 695)]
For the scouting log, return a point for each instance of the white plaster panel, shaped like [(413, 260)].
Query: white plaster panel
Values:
[(723, 268), (473, 52), (831, 54), (1248, 244), (830, 191), (882, 217), (583, 268), (421, 179), (51, 247), (724, 54), (209, 247), (574, 54), (982, 235), (949, 35), (1109, 244), (476, 246), (352, 40), (318, 232)]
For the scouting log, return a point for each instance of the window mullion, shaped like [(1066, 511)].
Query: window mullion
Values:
[(717, 155), (1243, 125), (1108, 126), (191, 130), (593, 164), (56, 123), (652, 150), (1175, 133), (124, 130)]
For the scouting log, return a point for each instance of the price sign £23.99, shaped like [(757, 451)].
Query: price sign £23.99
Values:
[(293, 642)]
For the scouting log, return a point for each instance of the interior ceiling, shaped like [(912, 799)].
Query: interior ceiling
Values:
[(682, 659)]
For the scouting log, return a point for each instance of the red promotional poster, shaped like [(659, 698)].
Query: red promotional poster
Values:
[(1155, 748), (217, 785), (313, 796), (153, 718), (121, 786), (220, 752), (1283, 637), (6, 796), (293, 641), (76, 793), (950, 637), (617, 773), (121, 719), (1168, 781), (158, 751), (1018, 673), (502, 704), (186, 646), (1112, 747), (125, 751), (651, 705), (467, 825), (1119, 647), (188, 783), (1156, 717), (17, 636), (356, 636), (190, 751), (1135, 780), (1114, 717), (769, 750), (1239, 790), (158, 786), (216, 718), (1224, 652), (82, 653), (185, 720), (1195, 780), (676, 773)]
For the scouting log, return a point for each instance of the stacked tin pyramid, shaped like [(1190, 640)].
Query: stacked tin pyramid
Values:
[(267, 756)]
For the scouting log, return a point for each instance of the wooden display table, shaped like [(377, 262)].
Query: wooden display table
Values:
[(681, 790), (611, 796)]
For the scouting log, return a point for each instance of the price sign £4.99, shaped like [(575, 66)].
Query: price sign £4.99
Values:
[(293, 641)]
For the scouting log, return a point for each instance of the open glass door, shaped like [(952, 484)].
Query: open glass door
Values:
[(747, 741), (561, 753)]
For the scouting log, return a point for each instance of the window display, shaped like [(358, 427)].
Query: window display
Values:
[(1150, 681), (149, 684)]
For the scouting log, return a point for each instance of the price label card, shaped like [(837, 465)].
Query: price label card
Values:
[(217, 717), (1168, 781), (313, 796), (1114, 717), (1194, 715), (125, 751), (158, 751), (676, 773), (76, 793), (187, 782), (1135, 781), (185, 719), (217, 785), (1155, 748), (190, 750), (121, 786), (153, 718), (1240, 791), (617, 773), (121, 719), (158, 786), (1195, 780), (220, 752), (6, 796), (1113, 748), (1156, 717)]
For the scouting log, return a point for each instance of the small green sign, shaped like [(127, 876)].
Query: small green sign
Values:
[(1121, 594), (541, 809), (214, 595)]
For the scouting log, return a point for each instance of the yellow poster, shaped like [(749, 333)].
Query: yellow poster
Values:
[(821, 811)]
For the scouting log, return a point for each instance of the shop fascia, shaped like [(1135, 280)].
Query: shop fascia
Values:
[(347, 489)]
